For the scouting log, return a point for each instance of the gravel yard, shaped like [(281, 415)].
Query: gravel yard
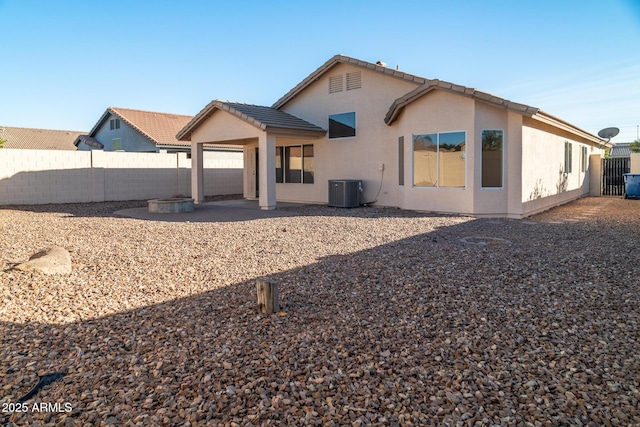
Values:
[(388, 317)]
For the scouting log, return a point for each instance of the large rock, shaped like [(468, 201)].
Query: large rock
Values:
[(56, 260)]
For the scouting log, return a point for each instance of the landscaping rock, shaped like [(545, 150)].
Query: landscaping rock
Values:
[(388, 317), (55, 260)]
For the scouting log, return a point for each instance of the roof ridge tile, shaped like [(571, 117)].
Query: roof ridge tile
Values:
[(345, 60)]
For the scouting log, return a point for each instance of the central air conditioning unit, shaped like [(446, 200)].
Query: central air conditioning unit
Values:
[(345, 193)]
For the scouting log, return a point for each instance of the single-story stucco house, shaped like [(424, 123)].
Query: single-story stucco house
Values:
[(415, 143)]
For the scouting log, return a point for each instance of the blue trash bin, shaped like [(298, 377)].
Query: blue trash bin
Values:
[(631, 185)]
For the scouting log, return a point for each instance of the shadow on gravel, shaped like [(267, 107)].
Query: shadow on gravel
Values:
[(428, 329), (211, 213), (97, 209)]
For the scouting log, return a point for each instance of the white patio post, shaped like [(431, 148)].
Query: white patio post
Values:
[(267, 163), (197, 172)]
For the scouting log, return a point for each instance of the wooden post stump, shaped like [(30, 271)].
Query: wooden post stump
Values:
[(267, 297)]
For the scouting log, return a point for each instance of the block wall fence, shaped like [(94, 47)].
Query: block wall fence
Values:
[(30, 177), (634, 163)]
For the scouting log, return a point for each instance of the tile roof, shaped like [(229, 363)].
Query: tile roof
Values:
[(159, 128), (342, 59), (430, 85), (399, 104), (620, 150), (38, 139), (263, 118), (547, 118)]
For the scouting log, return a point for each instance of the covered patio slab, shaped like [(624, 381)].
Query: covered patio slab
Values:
[(220, 211)]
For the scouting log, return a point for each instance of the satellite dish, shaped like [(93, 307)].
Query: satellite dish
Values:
[(608, 133)]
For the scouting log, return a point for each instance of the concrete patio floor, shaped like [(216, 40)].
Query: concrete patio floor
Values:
[(219, 211)]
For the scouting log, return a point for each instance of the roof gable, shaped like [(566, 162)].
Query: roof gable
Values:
[(487, 98), (159, 128), (342, 59), (430, 85), (261, 117)]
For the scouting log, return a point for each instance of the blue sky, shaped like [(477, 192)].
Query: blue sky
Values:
[(64, 62)]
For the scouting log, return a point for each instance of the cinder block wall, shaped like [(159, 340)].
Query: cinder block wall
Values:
[(222, 173), (137, 176), (44, 176), (56, 176)]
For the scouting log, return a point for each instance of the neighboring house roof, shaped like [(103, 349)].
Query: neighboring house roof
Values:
[(263, 118), (620, 150), (342, 59), (159, 128), (38, 139)]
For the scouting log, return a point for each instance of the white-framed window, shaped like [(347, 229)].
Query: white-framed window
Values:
[(295, 164), (492, 158), (342, 125), (568, 157), (439, 159), (116, 144)]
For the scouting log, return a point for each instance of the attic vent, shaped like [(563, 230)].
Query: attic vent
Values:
[(354, 80), (335, 84)]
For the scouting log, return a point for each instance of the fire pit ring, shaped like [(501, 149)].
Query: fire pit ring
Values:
[(171, 205)]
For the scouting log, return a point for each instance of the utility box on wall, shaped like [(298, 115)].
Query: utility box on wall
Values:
[(345, 193)]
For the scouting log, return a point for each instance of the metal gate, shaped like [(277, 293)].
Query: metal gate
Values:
[(612, 179)]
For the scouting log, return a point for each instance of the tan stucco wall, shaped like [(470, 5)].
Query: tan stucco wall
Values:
[(634, 167), (436, 112), (222, 126), (513, 163), (545, 183), (595, 175), (494, 201), (350, 158)]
